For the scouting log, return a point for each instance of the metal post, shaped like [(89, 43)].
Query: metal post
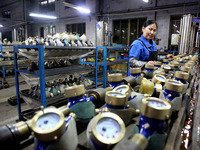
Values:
[(3, 68), (96, 67), (104, 66), (42, 75), (17, 81)]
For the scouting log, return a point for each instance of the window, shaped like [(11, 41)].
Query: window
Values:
[(76, 28), (128, 30), (47, 5), (6, 14), (174, 29), (75, 2)]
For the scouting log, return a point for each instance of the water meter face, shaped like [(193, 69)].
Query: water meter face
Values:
[(154, 103), (108, 128), (47, 121), (166, 67), (160, 78), (122, 90), (116, 94)]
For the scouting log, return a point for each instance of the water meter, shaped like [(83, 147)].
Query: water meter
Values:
[(165, 61), (172, 92), (79, 103), (148, 70), (117, 102), (48, 125), (154, 113), (115, 80), (105, 130), (136, 73), (182, 77), (158, 64)]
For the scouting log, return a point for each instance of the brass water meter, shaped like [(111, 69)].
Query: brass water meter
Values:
[(74, 91)]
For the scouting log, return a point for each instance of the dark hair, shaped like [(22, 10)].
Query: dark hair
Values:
[(149, 22)]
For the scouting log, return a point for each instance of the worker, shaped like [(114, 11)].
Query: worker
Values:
[(144, 49)]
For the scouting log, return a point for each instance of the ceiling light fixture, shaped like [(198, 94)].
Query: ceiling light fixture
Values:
[(146, 1), (81, 9), (42, 16), (1, 25)]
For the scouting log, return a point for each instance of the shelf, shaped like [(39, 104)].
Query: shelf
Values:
[(119, 61), (61, 70), (54, 47), (30, 99)]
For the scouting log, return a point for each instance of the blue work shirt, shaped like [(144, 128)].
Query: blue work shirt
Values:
[(139, 51)]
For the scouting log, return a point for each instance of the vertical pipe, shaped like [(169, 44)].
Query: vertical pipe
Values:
[(17, 82), (181, 33), (188, 32)]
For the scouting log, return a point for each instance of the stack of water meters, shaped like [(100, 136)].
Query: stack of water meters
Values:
[(147, 99)]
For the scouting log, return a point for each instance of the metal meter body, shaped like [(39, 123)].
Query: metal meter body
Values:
[(104, 131)]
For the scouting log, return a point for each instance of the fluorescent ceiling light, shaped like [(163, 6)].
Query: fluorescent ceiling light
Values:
[(42, 16), (81, 9), (1, 25), (146, 1)]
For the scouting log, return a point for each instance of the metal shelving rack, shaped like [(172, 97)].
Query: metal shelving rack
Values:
[(41, 73), (2, 51), (105, 64)]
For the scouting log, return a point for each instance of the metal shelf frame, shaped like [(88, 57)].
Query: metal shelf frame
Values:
[(42, 72), (105, 64), (2, 51)]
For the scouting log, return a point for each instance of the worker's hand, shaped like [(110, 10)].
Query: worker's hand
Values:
[(169, 56), (150, 62)]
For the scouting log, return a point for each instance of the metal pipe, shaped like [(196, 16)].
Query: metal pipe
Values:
[(181, 33)]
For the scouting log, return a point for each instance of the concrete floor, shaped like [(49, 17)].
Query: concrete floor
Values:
[(9, 113)]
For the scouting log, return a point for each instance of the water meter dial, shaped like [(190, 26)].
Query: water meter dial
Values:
[(125, 89), (108, 128), (159, 79), (48, 125), (155, 108), (116, 98), (166, 68)]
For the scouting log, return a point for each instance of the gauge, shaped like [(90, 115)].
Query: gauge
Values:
[(48, 124), (116, 94), (166, 67), (125, 89), (108, 128), (116, 98), (122, 89), (155, 108), (154, 103), (160, 78), (48, 121), (173, 85)]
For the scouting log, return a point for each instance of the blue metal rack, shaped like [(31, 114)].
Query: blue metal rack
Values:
[(2, 51), (105, 64), (42, 72)]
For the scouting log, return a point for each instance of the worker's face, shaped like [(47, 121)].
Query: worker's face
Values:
[(149, 32)]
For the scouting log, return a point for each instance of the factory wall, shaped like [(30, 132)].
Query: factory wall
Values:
[(101, 10)]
